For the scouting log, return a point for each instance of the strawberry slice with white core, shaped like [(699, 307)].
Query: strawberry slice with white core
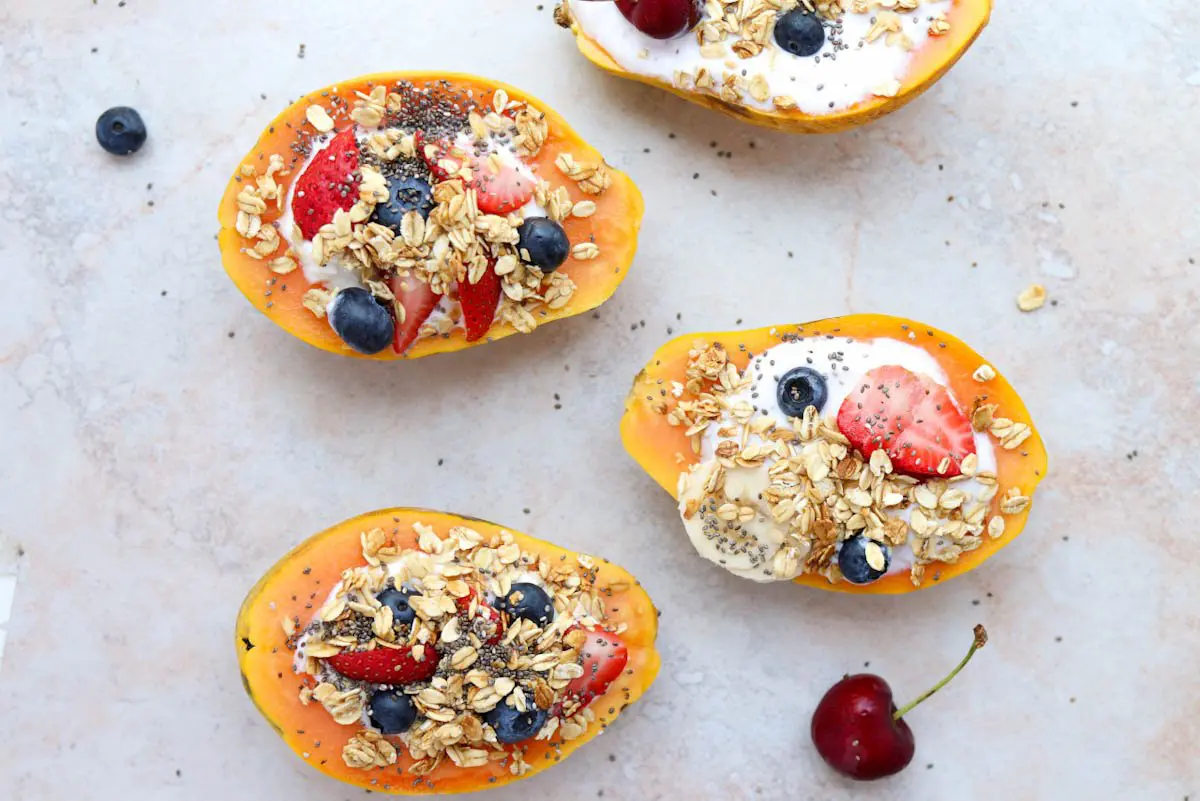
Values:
[(910, 416), (475, 606), (502, 182), (328, 184), (479, 302), (403, 665), (418, 302), (604, 657)]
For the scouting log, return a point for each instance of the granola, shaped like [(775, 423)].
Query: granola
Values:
[(820, 56), (772, 495), (457, 619), (406, 210)]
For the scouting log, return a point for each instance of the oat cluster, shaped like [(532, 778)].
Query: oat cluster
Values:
[(529, 665), (820, 490)]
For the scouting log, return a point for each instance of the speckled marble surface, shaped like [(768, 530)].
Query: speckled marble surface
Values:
[(164, 444)]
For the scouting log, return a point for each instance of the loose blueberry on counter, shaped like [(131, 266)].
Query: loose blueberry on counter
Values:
[(405, 195), (800, 33), (391, 711), (855, 558), (528, 601), (402, 611), (800, 388), (360, 321), (120, 131), (545, 242), (514, 727)]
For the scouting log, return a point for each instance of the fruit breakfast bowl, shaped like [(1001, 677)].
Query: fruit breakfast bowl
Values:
[(416, 652), (804, 66), (399, 215), (863, 454)]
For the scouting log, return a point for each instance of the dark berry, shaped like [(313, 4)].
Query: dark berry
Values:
[(512, 726), (543, 243), (856, 555), (402, 611), (800, 388), (360, 320), (121, 131), (405, 195), (662, 19), (391, 712), (800, 33), (528, 601)]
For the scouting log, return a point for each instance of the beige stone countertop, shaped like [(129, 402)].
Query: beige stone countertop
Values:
[(164, 444)]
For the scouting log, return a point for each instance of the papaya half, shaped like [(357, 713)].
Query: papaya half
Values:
[(695, 384), (726, 89), (424, 217), (455, 744)]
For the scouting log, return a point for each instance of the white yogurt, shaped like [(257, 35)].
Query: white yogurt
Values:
[(842, 362), (821, 84)]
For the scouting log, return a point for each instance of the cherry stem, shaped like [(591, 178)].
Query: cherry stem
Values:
[(979, 641)]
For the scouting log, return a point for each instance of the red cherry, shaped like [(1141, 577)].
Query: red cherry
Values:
[(855, 733), (662, 19), (859, 732)]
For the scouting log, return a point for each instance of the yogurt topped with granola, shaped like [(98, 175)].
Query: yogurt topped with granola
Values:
[(818, 56), (418, 210), (845, 457), (458, 649)]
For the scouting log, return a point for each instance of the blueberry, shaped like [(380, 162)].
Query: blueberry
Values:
[(512, 726), (545, 241), (120, 131), (856, 555), (800, 33), (528, 601), (391, 712), (800, 388), (405, 195), (360, 321), (402, 611)]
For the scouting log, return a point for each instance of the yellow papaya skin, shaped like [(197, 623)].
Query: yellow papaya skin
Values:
[(613, 227), (664, 451), (967, 20), (305, 576)]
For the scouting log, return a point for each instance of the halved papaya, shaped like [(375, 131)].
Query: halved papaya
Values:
[(654, 436), (601, 218), (965, 20), (292, 592)]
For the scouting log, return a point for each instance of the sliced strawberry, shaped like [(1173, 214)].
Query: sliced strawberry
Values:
[(501, 187), (418, 301), (330, 183), (493, 618), (604, 657), (479, 302), (386, 665), (912, 417), (501, 182), (437, 152), (485, 612)]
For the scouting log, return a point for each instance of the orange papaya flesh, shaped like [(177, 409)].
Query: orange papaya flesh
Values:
[(664, 450), (613, 227), (299, 583), (967, 20)]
